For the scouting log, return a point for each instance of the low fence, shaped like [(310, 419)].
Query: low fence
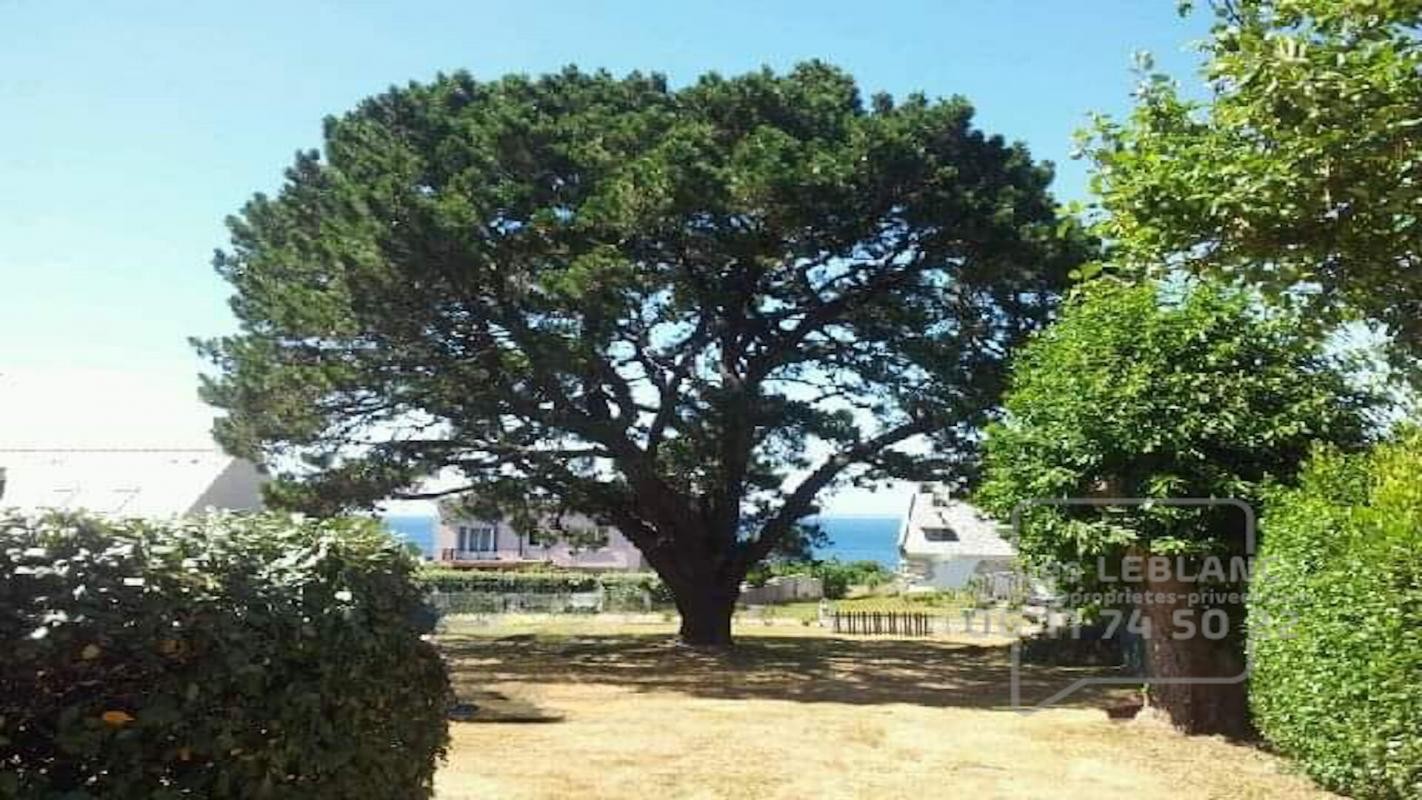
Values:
[(883, 623)]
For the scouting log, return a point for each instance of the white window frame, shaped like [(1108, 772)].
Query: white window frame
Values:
[(478, 539)]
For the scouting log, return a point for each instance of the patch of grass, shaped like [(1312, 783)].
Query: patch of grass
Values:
[(794, 712)]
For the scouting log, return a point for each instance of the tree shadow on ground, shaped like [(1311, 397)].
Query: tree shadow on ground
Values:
[(796, 668)]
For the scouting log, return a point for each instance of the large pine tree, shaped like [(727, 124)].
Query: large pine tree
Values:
[(684, 312)]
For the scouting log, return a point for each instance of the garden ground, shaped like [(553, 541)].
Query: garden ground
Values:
[(794, 712)]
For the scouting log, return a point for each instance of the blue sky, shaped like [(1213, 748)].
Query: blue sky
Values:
[(129, 130)]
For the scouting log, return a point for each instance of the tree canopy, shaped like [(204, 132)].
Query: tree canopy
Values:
[(1170, 392), (684, 311), (1299, 173), (1152, 391)]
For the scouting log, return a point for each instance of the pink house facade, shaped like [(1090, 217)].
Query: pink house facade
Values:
[(465, 541)]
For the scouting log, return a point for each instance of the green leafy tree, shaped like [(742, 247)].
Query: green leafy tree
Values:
[(1300, 173), (1139, 391), (684, 312)]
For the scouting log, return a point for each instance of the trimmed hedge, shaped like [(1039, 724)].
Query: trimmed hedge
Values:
[(618, 584), (1337, 622), (226, 656), (445, 579)]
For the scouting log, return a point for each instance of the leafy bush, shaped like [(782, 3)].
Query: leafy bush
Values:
[(625, 587), (216, 657), (1337, 610), (837, 576)]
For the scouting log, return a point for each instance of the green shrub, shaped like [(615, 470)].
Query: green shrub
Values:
[(836, 577), (1337, 622), (218, 657), (624, 588), (870, 574)]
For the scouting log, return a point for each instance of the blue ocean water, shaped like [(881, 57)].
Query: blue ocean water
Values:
[(417, 530), (851, 538), (861, 539)]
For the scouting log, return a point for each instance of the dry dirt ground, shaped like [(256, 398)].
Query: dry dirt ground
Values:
[(795, 713)]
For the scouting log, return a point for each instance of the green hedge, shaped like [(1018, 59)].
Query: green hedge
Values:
[(1337, 622), (218, 657), (618, 584), (445, 579)]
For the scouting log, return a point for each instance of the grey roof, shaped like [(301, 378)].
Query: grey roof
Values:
[(932, 507), (128, 482)]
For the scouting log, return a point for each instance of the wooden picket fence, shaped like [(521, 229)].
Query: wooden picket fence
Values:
[(882, 623)]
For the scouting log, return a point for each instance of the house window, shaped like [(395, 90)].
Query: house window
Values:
[(943, 534), (477, 539), (605, 538)]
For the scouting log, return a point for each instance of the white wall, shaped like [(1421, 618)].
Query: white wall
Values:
[(956, 572)]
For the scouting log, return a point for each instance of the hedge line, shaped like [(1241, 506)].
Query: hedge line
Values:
[(219, 657), (544, 582), (837, 577), (1337, 622)]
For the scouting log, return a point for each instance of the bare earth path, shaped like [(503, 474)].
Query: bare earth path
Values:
[(794, 713)]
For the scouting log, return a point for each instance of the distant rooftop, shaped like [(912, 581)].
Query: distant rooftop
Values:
[(129, 482), (937, 524)]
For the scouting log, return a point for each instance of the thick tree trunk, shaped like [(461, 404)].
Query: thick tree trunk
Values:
[(705, 602), (703, 572), (1204, 697), (706, 617)]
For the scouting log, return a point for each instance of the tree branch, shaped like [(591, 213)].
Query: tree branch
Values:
[(797, 505)]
